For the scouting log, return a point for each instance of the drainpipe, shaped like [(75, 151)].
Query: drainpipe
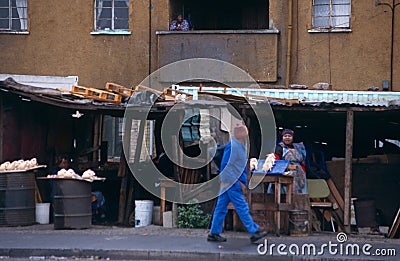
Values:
[(150, 9), (289, 43)]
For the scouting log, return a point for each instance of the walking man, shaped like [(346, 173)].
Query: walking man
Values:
[(233, 173)]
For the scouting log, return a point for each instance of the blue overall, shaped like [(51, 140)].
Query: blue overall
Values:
[(232, 173)]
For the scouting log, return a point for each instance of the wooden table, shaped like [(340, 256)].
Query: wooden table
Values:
[(278, 180)]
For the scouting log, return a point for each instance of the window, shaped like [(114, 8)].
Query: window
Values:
[(14, 15), (330, 14), (111, 15), (222, 14), (113, 134)]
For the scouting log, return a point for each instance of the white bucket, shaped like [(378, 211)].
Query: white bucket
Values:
[(42, 213), (143, 212)]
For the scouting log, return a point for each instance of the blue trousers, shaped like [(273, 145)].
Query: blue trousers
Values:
[(233, 194)]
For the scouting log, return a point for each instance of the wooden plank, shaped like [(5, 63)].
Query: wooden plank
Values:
[(129, 206), (96, 138), (122, 200), (38, 197), (335, 192), (122, 170), (119, 89), (122, 190), (321, 204), (338, 211), (76, 89), (339, 221), (145, 88), (173, 93), (395, 225), (288, 102), (348, 170), (271, 206), (226, 97), (96, 94)]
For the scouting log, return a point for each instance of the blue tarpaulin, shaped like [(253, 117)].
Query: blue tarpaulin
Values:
[(278, 168)]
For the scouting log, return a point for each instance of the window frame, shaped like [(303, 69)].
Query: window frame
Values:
[(114, 128), (23, 9), (331, 27), (112, 29)]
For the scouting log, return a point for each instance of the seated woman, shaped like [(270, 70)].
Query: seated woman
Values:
[(295, 153)]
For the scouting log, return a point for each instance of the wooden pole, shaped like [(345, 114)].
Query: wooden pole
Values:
[(130, 206), (348, 169), (96, 136), (122, 171)]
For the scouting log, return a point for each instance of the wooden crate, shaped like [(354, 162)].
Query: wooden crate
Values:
[(80, 90), (96, 94), (168, 92), (119, 89)]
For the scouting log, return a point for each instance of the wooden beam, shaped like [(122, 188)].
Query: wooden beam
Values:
[(395, 225), (335, 192), (122, 171), (348, 169), (96, 137), (122, 191)]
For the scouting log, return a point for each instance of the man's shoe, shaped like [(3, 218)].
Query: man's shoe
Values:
[(257, 236), (215, 238)]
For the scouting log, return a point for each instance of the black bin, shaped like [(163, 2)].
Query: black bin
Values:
[(17, 198), (72, 204)]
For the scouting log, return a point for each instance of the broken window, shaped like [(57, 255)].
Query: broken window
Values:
[(111, 15), (114, 128), (222, 14), (330, 14), (14, 15)]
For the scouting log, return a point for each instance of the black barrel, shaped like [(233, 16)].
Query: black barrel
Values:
[(17, 198), (72, 204)]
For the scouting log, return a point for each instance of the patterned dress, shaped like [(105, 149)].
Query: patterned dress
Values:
[(184, 26), (296, 155)]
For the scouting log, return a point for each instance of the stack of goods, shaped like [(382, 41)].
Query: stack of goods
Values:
[(88, 175), (19, 165)]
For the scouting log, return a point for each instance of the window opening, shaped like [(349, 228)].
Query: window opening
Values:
[(331, 14), (111, 15), (14, 15)]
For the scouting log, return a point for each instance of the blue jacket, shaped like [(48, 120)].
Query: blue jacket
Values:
[(234, 163)]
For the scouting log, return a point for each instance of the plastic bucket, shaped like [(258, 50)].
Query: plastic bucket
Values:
[(43, 213), (298, 223), (143, 212)]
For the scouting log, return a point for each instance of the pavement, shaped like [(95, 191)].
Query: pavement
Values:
[(159, 243)]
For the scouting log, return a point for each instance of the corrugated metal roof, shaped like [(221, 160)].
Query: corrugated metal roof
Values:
[(312, 97)]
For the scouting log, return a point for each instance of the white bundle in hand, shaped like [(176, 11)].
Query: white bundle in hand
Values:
[(269, 162), (253, 164)]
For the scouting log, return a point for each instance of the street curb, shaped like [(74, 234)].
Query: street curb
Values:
[(134, 254), (151, 255)]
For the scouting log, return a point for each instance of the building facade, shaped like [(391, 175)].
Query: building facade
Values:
[(345, 43)]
